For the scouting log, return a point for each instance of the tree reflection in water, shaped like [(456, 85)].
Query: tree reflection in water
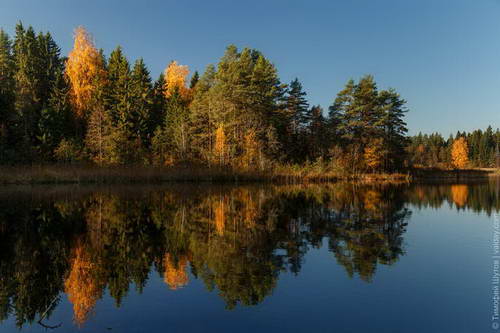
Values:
[(237, 240)]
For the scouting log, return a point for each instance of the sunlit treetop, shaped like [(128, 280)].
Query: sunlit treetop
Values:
[(85, 69), (175, 79)]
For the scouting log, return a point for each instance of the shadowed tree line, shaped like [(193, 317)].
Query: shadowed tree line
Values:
[(237, 240)]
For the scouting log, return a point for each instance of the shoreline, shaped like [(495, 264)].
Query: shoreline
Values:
[(91, 174)]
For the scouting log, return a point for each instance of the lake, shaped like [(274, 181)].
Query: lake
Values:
[(342, 257)]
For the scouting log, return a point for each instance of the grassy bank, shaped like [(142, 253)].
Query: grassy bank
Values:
[(91, 174), (452, 175)]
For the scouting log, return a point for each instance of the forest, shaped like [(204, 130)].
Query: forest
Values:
[(90, 108)]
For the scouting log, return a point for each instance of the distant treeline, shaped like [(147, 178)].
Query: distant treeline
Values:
[(435, 151), (238, 114)]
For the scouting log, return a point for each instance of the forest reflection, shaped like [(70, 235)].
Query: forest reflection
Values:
[(237, 240)]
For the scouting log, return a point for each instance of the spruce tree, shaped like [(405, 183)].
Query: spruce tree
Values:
[(119, 86), (201, 123), (194, 80), (141, 95), (316, 135), (159, 102), (6, 96), (29, 77)]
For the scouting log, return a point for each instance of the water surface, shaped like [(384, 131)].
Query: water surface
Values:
[(256, 258)]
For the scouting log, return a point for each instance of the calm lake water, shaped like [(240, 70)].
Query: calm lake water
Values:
[(319, 258)]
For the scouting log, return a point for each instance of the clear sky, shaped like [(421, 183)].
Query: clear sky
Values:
[(443, 56)]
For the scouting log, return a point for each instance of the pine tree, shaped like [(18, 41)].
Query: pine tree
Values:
[(244, 97), (297, 107), (360, 114), (393, 128)]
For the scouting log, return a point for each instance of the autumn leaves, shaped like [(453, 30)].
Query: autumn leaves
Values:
[(86, 72), (460, 153)]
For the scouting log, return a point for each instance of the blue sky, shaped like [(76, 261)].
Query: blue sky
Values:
[(443, 56)]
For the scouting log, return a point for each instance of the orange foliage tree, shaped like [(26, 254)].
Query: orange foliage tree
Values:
[(459, 194), (84, 68), (374, 154), (175, 273), (81, 287), (251, 150), (175, 80), (460, 153), (220, 144), (220, 216)]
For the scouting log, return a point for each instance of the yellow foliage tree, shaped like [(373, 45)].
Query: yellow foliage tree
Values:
[(372, 201), (175, 79), (374, 154), (81, 287), (460, 153), (175, 274), (251, 151), (220, 216), (84, 69), (220, 144), (459, 194)]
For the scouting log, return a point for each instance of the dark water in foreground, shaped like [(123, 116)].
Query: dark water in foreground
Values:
[(318, 258)]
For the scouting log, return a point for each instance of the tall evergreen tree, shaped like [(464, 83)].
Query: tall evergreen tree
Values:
[(6, 96), (244, 99), (37, 61), (119, 100), (370, 122), (317, 134), (295, 117), (201, 124), (393, 127), (194, 80), (171, 142), (297, 106), (56, 119), (141, 95), (159, 102)]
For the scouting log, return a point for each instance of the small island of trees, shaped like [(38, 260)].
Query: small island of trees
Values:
[(90, 109)]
